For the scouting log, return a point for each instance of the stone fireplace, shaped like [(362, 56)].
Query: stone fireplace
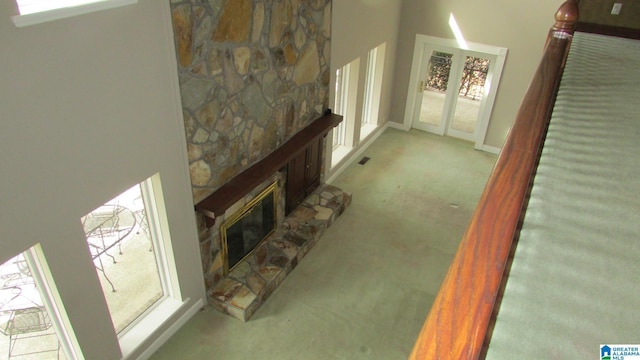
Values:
[(242, 290), (253, 74)]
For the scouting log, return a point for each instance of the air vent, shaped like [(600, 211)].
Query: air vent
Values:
[(363, 160)]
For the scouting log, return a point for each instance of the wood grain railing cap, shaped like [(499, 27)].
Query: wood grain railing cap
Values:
[(566, 16), (459, 324)]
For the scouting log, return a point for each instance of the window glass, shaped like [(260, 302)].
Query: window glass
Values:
[(124, 247), (368, 87), (27, 328), (341, 102), (35, 6), (32, 12)]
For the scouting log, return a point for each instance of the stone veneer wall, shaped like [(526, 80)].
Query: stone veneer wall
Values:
[(252, 74)]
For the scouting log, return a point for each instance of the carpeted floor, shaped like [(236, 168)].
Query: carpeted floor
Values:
[(364, 290)]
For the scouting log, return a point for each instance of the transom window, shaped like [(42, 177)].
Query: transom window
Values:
[(33, 12), (35, 6)]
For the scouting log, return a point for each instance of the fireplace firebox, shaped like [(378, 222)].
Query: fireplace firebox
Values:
[(248, 227)]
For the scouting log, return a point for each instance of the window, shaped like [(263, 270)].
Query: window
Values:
[(342, 99), (33, 323), (38, 11), (36, 6), (128, 241), (346, 90), (360, 120), (373, 86), (368, 87)]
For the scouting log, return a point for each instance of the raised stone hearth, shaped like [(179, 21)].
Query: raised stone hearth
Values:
[(246, 287)]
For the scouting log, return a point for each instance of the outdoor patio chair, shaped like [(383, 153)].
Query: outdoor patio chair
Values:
[(25, 324)]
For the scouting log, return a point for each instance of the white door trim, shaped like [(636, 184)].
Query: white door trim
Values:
[(423, 42)]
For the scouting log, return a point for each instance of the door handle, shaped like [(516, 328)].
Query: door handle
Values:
[(421, 86)]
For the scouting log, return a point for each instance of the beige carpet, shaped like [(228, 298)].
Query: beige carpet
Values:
[(364, 290)]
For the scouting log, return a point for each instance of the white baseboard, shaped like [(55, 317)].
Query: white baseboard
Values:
[(407, 127), (350, 158), (491, 149), (399, 126), (162, 338)]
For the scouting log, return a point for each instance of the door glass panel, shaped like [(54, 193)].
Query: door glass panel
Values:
[(26, 327), (474, 76), (435, 87), (124, 255)]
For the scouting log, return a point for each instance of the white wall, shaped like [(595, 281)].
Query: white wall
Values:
[(358, 26), (89, 108), (519, 26)]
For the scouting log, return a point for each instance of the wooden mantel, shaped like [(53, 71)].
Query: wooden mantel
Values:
[(229, 193)]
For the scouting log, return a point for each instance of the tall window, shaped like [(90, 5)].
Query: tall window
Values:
[(33, 324), (127, 247), (368, 87), (341, 102), (346, 90), (373, 86)]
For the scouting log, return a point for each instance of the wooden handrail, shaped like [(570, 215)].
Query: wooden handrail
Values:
[(459, 322)]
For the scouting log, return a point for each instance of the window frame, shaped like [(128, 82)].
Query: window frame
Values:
[(45, 283), (369, 82), (344, 141), (372, 91), (36, 262), (40, 17), (133, 334), (341, 104)]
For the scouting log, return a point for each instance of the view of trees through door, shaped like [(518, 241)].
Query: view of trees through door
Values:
[(474, 76), (454, 94), (458, 115)]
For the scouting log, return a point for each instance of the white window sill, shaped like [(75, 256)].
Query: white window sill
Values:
[(366, 130), (56, 14), (339, 153), (133, 337)]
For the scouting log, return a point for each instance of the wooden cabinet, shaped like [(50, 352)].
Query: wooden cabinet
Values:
[(303, 174)]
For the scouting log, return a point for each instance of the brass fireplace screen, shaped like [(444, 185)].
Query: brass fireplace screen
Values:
[(248, 227)]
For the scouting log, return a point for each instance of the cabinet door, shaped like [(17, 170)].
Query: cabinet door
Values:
[(296, 184), (314, 162)]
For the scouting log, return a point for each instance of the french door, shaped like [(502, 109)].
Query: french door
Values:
[(451, 90)]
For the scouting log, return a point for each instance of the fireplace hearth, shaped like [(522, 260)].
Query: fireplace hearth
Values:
[(245, 288)]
